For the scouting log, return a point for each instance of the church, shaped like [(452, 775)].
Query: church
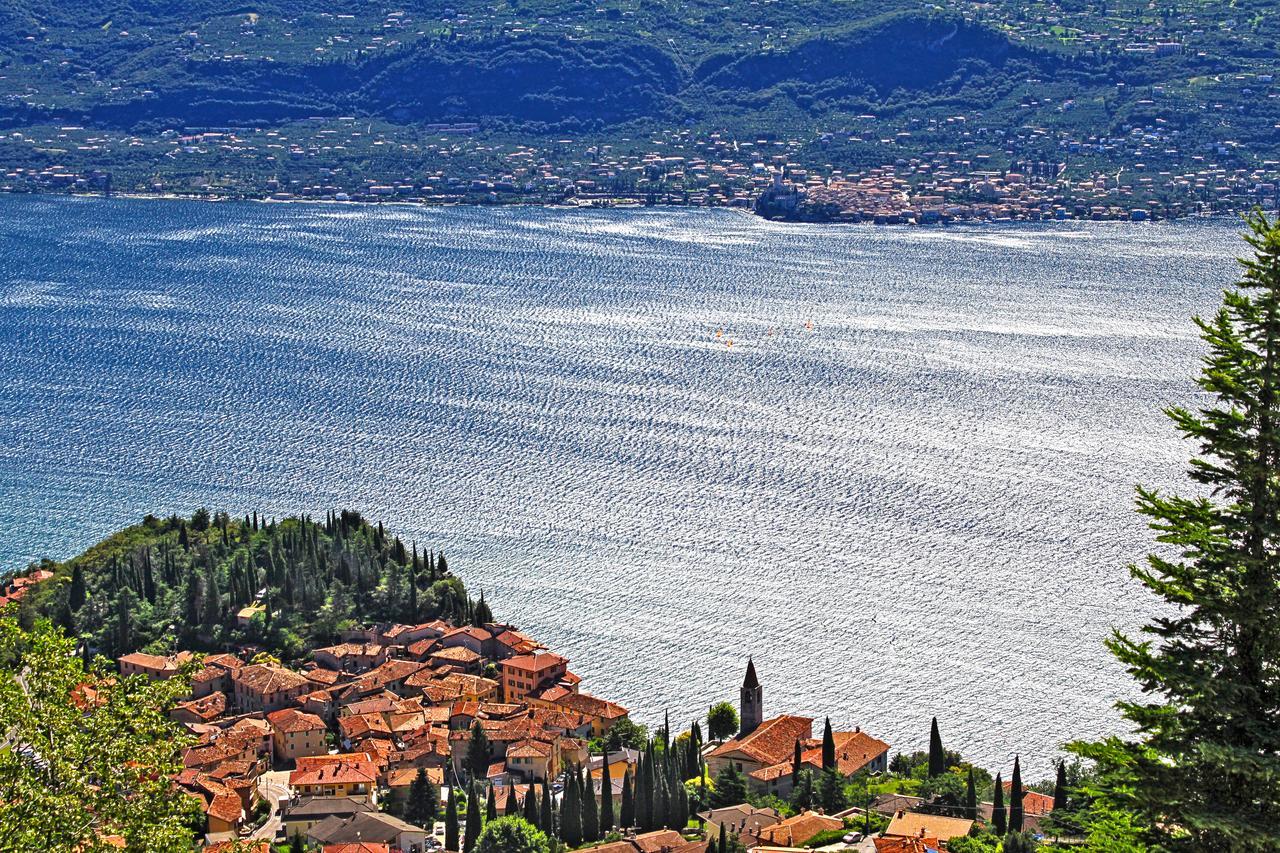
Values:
[(764, 750)]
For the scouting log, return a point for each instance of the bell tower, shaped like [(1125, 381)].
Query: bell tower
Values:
[(750, 702)]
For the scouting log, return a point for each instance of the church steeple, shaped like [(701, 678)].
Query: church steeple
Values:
[(751, 701)]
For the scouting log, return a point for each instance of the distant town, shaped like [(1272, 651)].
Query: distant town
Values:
[(778, 178)]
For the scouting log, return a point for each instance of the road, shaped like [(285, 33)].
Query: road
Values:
[(272, 785)]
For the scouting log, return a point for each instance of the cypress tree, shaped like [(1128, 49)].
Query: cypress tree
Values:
[(627, 813), (1060, 787), (571, 811), (1203, 772), (937, 758), (77, 594), (796, 764), (828, 747), (451, 821), (474, 823), (662, 803), (513, 802), (1015, 798), (724, 840), (644, 794), (531, 813), (606, 795), (491, 806), (971, 798), (999, 819), (590, 815), (547, 822)]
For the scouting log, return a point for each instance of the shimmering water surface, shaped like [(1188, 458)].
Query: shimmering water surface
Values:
[(906, 487)]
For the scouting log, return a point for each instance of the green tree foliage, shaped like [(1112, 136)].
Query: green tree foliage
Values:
[(607, 821), (828, 746), (423, 802), (531, 813), (451, 821), (182, 581), (477, 758), (831, 791), (1018, 841), (86, 755), (1015, 798), (999, 817), (512, 835), (571, 811), (803, 796), (1203, 772), (474, 821), (730, 787), (722, 721), (1060, 787), (491, 806), (627, 810), (590, 814), (937, 758), (971, 797)]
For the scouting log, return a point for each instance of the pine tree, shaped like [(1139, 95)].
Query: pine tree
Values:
[(971, 798), (1015, 798), (828, 747), (1204, 770), (474, 822), (1060, 787), (937, 758), (423, 797), (627, 811), (451, 821), (606, 795), (999, 818)]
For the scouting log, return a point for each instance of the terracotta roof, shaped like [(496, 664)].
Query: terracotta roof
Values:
[(357, 847), (772, 742), (350, 768), (917, 825), (292, 720), (897, 844), (529, 749), (655, 842), (268, 678), (798, 829), (535, 662)]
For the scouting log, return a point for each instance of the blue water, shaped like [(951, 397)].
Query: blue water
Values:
[(906, 487)]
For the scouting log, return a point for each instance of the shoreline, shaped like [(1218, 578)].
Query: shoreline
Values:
[(853, 219)]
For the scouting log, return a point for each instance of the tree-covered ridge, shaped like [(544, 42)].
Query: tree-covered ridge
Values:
[(185, 582)]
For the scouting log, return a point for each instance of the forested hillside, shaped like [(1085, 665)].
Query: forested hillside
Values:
[(180, 583)]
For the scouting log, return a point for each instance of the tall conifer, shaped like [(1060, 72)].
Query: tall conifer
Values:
[(937, 758), (1015, 798), (1203, 771), (999, 818)]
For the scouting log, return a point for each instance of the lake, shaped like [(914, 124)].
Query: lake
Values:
[(894, 465)]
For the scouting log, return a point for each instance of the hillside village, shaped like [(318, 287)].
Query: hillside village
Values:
[(334, 752)]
